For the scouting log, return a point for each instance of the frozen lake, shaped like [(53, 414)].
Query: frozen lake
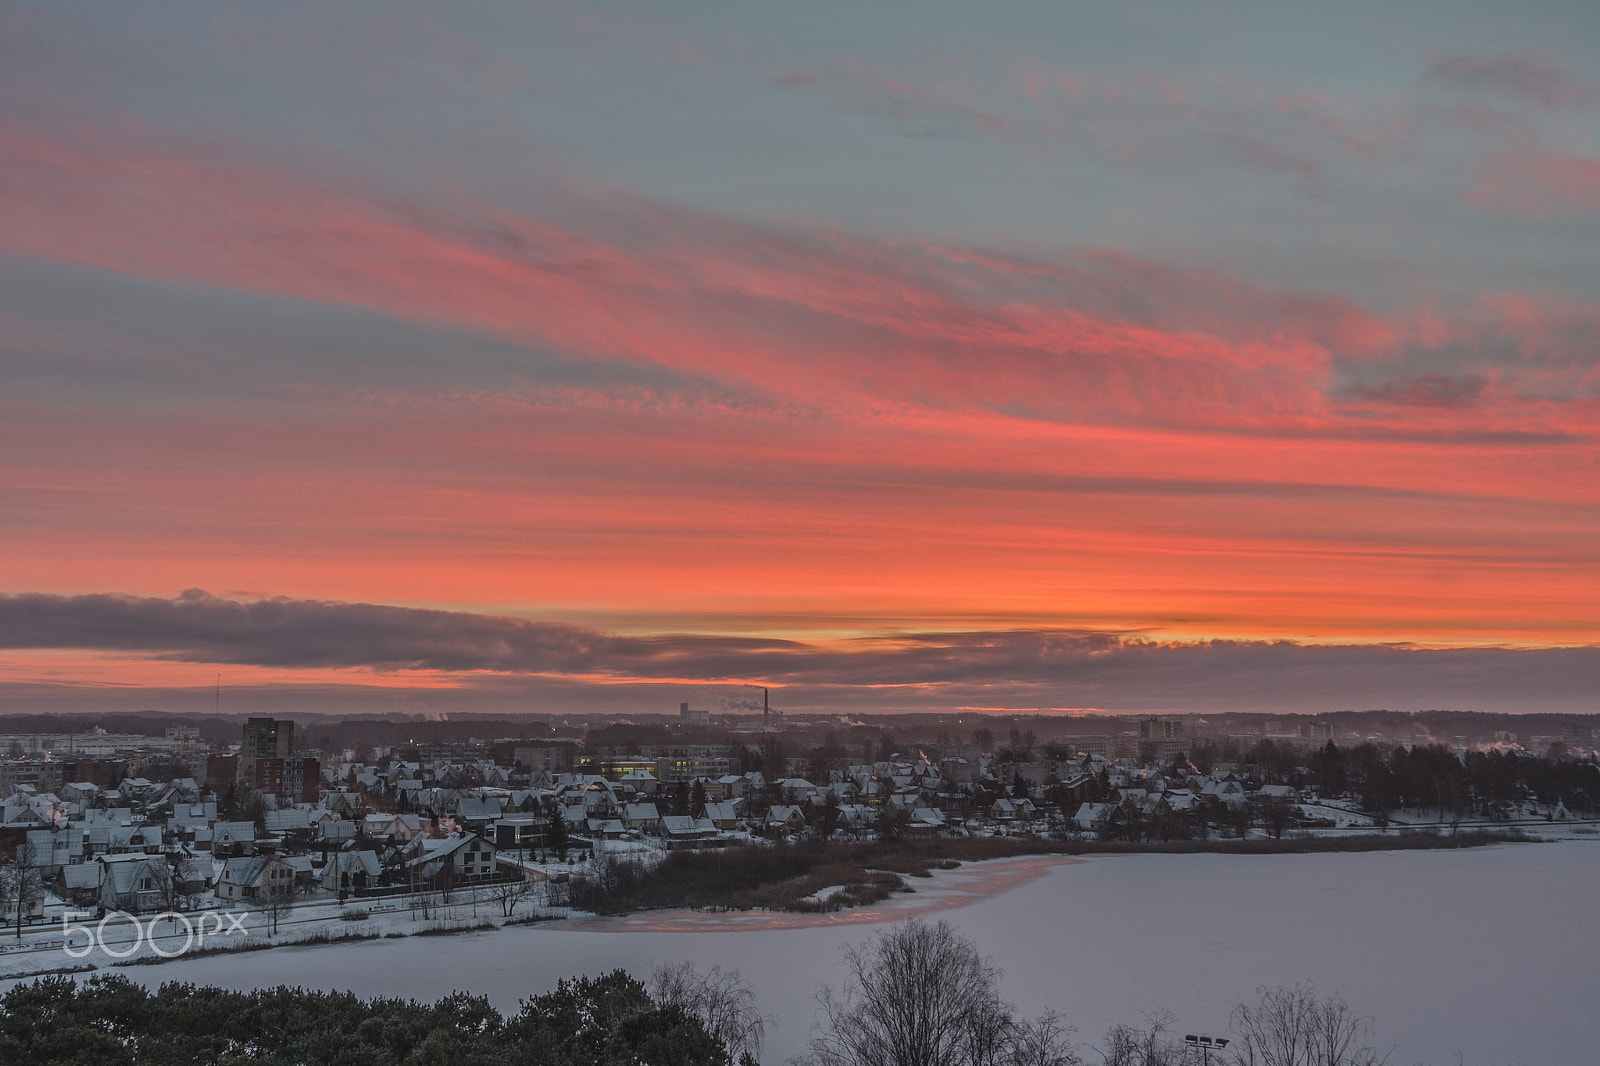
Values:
[(1494, 953)]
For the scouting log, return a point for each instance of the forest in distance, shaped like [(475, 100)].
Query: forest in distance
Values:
[(917, 994), (653, 725)]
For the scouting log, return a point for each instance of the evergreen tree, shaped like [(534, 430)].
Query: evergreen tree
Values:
[(557, 838)]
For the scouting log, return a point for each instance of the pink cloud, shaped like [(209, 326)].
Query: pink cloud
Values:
[(1530, 76), (807, 314), (1529, 181)]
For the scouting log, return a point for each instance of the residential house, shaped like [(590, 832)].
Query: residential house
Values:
[(123, 840), (475, 812), (641, 816), (233, 839), (641, 781), (134, 882), (54, 848), (1094, 817), (305, 874), (396, 828), (727, 787), (79, 883), (724, 815), (604, 828), (681, 827), (351, 871), (1005, 810), (785, 818), (518, 831), (796, 790), (459, 859), (290, 823), (252, 877)]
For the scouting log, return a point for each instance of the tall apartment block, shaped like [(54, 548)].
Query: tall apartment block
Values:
[(265, 762), (264, 738)]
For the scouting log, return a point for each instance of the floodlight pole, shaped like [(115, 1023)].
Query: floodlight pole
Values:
[(1205, 1044)]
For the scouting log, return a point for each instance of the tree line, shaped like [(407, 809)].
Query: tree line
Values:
[(612, 1020), (1484, 784)]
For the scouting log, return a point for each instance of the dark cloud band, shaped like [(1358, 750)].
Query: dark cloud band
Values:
[(933, 670)]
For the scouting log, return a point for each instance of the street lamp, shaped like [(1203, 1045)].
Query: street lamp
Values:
[(1205, 1044)]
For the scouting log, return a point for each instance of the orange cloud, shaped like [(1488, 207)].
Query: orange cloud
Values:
[(840, 432)]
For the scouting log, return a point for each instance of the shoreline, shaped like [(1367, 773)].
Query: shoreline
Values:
[(814, 877), (946, 885)]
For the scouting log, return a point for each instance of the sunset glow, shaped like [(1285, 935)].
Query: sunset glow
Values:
[(1188, 373)]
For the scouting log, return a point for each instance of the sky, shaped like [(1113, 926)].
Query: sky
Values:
[(561, 357)]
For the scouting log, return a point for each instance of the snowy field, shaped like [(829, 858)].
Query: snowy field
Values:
[(1493, 953)]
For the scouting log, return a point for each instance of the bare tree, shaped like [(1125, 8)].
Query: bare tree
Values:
[(509, 893), (273, 901), (21, 883), (446, 878), (921, 995), (175, 880), (1290, 1026), (721, 1001), (1044, 1041), (414, 891), (1147, 1045)]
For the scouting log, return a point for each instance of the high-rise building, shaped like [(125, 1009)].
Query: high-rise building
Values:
[(264, 738), (1161, 740), (298, 780), (1161, 729)]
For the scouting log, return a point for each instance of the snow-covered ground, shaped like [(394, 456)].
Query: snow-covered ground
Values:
[(1492, 952)]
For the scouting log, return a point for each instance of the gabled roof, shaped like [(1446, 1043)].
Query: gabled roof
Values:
[(81, 875), (124, 836), (54, 847), (301, 864), (125, 876), (784, 812), (189, 815), (435, 848), (475, 809), (349, 861), (288, 821), (244, 871), (13, 815)]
